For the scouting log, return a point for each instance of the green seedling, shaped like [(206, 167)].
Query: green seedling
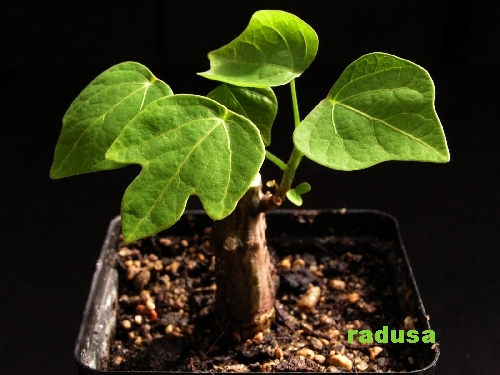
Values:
[(381, 108)]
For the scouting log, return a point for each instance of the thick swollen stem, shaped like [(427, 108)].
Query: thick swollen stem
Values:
[(245, 295)]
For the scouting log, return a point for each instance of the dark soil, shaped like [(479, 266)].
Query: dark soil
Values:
[(166, 319)]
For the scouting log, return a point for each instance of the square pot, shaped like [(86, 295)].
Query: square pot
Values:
[(304, 227)]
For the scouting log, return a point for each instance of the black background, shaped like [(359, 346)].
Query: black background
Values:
[(51, 231)]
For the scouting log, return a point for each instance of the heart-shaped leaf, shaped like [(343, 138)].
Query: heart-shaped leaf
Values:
[(295, 194), (381, 108), (259, 105), (99, 113), (187, 145), (274, 48)]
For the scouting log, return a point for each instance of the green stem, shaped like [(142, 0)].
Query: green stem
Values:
[(289, 173), (276, 160), (295, 104), (296, 156)]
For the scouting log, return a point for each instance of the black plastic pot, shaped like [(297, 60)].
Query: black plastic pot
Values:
[(304, 227)]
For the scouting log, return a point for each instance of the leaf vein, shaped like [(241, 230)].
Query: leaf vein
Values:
[(390, 126), (91, 125)]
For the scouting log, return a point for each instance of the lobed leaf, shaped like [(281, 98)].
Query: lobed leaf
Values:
[(381, 108), (186, 145), (259, 105), (99, 113), (274, 48)]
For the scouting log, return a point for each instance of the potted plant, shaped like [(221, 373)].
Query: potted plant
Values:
[(381, 108)]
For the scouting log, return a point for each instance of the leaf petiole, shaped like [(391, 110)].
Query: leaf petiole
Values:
[(296, 156), (295, 104), (276, 160)]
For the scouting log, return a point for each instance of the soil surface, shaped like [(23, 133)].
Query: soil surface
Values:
[(166, 321)]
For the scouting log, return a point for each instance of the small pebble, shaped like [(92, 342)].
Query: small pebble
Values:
[(158, 266), (173, 267), (380, 361), (309, 300), (142, 279), (141, 309), (285, 263), (353, 297), (259, 337), (148, 264), (333, 333), (184, 243), (375, 351), (150, 305), (132, 271), (278, 353), (340, 360), (325, 319), (308, 353), (124, 299), (408, 323), (134, 299), (266, 367), (319, 359), (124, 252), (145, 295), (166, 241), (117, 360), (126, 324), (324, 341), (153, 315), (138, 319), (299, 263), (368, 308), (169, 329), (361, 366), (411, 361), (316, 343), (337, 284), (138, 341)]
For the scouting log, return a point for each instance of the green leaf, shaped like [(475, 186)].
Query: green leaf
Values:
[(99, 113), (186, 145), (259, 105), (381, 108), (274, 48), (295, 195)]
